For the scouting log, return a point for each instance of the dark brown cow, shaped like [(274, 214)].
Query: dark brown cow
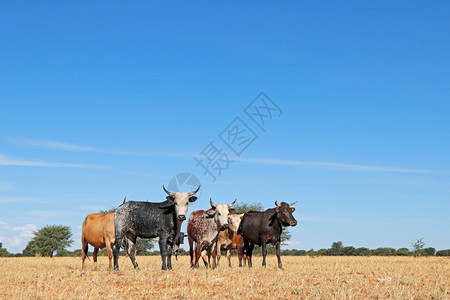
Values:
[(203, 229), (262, 228), (98, 230)]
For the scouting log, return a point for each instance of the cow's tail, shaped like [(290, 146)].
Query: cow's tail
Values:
[(84, 243)]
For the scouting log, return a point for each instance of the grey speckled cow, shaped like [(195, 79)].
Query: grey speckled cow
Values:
[(150, 220)]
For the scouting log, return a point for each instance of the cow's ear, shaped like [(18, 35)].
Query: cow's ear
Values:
[(277, 209), (210, 214), (231, 210), (293, 208), (192, 198), (170, 198)]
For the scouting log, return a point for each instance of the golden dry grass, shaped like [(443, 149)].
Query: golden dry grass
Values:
[(302, 278)]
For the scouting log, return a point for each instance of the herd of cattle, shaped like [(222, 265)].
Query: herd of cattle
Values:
[(208, 231)]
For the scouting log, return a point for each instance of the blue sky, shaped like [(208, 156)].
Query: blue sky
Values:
[(106, 99)]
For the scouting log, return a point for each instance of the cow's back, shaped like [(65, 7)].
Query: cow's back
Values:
[(93, 230), (143, 219), (251, 225)]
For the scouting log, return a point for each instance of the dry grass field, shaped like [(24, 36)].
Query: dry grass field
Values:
[(302, 278)]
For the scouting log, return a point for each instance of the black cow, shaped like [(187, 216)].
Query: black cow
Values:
[(149, 220), (261, 228)]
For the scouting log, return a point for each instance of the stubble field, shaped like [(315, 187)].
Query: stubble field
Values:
[(302, 278)]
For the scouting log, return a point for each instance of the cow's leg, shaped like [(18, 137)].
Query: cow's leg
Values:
[(191, 250), (277, 246), (240, 251), (132, 250), (244, 256), (116, 250), (94, 255), (109, 249), (214, 255), (84, 251), (169, 256), (249, 250), (206, 258), (229, 257), (163, 250), (198, 252), (218, 257), (264, 252)]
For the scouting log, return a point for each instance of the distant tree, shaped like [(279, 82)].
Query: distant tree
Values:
[(3, 251), (294, 252), (241, 208), (106, 211), (322, 252), (336, 249), (430, 251), (143, 246), (417, 247), (350, 250), (311, 253), (403, 252), (384, 251), (445, 252), (64, 252), (49, 239), (363, 251)]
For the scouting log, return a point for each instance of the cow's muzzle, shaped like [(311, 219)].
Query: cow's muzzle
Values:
[(181, 217), (224, 227), (293, 223)]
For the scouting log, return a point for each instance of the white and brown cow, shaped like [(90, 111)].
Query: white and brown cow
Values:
[(225, 239), (203, 229)]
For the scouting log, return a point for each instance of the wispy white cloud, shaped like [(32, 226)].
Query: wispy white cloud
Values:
[(56, 145), (338, 166), (13, 199), (8, 161), (64, 146), (51, 213), (15, 238), (5, 186)]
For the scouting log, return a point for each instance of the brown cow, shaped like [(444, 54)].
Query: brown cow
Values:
[(98, 230), (238, 243)]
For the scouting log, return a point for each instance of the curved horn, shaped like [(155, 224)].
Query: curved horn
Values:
[(276, 203), (292, 203), (212, 204), (168, 193), (124, 199), (230, 205), (194, 192)]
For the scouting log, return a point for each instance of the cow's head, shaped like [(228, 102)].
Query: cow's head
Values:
[(284, 212), (220, 213), (234, 221), (181, 201)]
